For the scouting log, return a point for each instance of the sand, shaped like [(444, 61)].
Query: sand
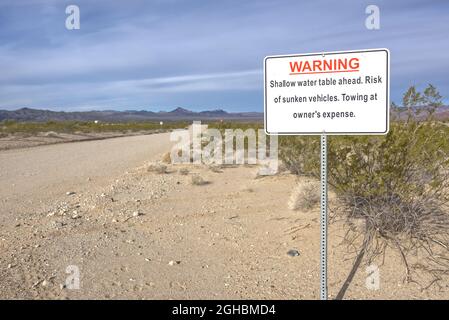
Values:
[(133, 234)]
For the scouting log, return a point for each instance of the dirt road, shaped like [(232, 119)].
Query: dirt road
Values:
[(98, 212), (37, 174)]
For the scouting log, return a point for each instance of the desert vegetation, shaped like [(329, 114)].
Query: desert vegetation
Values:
[(392, 190), (11, 127), (305, 196), (157, 168), (198, 180), (183, 171)]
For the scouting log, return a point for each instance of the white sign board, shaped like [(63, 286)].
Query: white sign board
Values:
[(332, 93)]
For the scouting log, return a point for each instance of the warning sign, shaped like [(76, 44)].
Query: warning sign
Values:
[(332, 93)]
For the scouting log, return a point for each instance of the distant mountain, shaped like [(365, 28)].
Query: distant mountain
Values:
[(181, 111), (178, 114), (215, 113), (37, 115)]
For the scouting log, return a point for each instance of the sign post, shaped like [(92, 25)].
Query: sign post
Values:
[(331, 93), (323, 219)]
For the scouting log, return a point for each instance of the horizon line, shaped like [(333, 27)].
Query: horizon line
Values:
[(132, 110)]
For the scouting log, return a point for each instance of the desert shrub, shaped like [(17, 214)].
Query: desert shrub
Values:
[(299, 154), (215, 168), (305, 196), (197, 180), (166, 158), (396, 184), (157, 167), (183, 171)]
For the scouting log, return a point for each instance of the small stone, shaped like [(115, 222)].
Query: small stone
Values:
[(172, 263), (137, 213), (57, 224), (293, 253), (44, 283), (69, 193)]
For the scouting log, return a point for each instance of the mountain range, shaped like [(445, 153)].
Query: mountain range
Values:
[(38, 115), (178, 114)]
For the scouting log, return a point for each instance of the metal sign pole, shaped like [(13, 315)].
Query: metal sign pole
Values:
[(323, 219)]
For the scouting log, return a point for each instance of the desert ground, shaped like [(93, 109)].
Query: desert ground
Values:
[(136, 233)]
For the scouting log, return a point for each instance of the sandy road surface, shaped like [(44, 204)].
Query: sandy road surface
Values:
[(41, 173)]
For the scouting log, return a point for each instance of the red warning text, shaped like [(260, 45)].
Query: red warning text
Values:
[(324, 66)]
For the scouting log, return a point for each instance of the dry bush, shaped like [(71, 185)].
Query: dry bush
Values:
[(305, 196), (166, 158), (183, 171), (197, 180), (282, 167), (215, 168), (157, 167)]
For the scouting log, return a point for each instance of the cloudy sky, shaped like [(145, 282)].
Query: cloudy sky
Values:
[(198, 54)]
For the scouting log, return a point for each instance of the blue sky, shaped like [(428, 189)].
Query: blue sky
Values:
[(198, 54)]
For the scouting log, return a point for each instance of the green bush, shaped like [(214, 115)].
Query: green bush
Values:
[(369, 167)]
